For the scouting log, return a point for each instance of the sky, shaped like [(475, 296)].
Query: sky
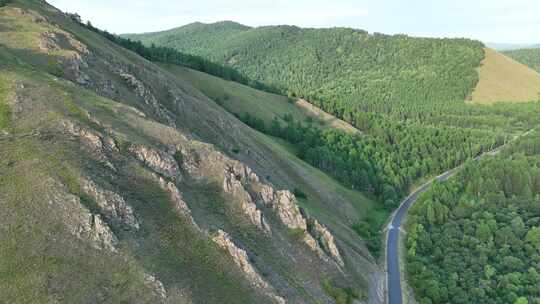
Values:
[(503, 21)]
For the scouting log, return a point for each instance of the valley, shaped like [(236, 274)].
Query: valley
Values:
[(220, 163)]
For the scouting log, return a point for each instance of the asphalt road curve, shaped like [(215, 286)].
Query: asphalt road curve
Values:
[(393, 276), (392, 246)]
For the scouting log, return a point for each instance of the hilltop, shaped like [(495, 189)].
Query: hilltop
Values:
[(338, 65)]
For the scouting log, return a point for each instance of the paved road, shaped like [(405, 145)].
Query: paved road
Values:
[(392, 243), (393, 277)]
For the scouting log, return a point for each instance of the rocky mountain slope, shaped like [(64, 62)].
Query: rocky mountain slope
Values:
[(121, 183)]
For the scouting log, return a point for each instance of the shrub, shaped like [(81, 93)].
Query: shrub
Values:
[(340, 295), (299, 193)]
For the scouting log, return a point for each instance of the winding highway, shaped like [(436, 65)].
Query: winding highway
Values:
[(394, 229), (393, 274)]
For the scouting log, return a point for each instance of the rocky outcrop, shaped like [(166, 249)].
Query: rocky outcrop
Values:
[(98, 232), (157, 160), (241, 259), (316, 236), (236, 178), (180, 205), (79, 220), (247, 188), (232, 184), (284, 204), (325, 240), (73, 54), (111, 204), (147, 97), (155, 285), (98, 144)]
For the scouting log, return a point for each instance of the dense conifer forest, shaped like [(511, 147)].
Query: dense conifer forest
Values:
[(337, 68), (476, 238)]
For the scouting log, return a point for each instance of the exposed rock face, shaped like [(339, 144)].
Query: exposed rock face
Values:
[(232, 184), (312, 244), (237, 179), (241, 259), (241, 182), (80, 221), (157, 160), (99, 145), (111, 204), (315, 234), (72, 53), (176, 197), (147, 96), (99, 232), (284, 203), (287, 209), (94, 140), (326, 240), (156, 286)]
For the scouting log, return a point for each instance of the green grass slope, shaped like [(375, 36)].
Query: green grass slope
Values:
[(240, 99)]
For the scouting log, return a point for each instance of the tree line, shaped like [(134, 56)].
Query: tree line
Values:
[(385, 165)]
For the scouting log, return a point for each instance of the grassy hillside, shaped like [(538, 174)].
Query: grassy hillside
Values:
[(240, 99), (77, 108), (504, 79), (529, 57)]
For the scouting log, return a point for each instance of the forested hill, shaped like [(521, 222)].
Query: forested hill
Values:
[(336, 67), (195, 35), (405, 94), (530, 57), (476, 238)]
